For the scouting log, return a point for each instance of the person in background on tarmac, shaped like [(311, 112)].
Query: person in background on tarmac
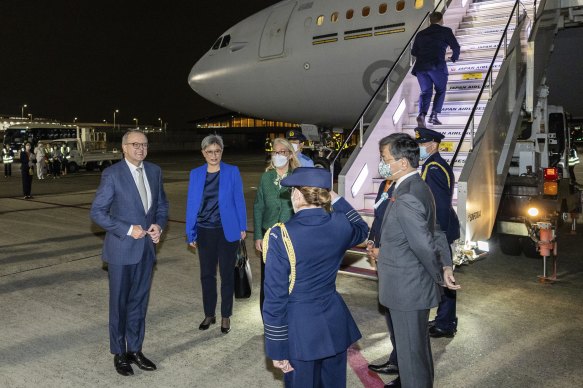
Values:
[(273, 201), (64, 160), (7, 159), (27, 170), (430, 67), (438, 175), (40, 153), (268, 149), (308, 327), (297, 139)]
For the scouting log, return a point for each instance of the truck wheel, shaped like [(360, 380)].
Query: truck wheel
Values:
[(322, 163), (73, 167), (529, 248), (90, 166), (104, 165), (509, 244)]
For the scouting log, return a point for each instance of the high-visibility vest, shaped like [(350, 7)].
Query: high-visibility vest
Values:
[(6, 157)]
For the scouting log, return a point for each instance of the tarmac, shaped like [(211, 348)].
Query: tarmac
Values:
[(513, 331)]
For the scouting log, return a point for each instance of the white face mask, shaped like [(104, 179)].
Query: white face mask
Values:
[(279, 160), (296, 147)]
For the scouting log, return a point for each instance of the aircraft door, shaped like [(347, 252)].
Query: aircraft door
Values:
[(273, 36)]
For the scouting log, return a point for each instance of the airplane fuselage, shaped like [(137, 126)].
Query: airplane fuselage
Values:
[(316, 61)]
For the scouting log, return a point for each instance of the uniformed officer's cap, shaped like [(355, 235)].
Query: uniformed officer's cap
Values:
[(310, 177), (424, 135), (294, 134)]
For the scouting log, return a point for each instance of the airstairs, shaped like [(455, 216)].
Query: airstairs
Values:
[(481, 114)]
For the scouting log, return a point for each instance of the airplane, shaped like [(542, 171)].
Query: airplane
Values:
[(308, 61)]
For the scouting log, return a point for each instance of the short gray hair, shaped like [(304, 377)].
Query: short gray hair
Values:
[(210, 140), (124, 139)]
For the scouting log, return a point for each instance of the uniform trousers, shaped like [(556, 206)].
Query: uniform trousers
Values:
[(129, 292), (446, 319), (26, 182), (7, 169), (415, 358), (427, 81), (213, 250), (323, 373)]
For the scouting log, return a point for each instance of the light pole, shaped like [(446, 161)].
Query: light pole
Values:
[(22, 110), (114, 112), (30, 117), (74, 120), (160, 120), (136, 120)]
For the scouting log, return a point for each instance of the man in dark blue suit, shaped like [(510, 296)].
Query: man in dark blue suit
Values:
[(441, 181), (130, 204), (430, 67)]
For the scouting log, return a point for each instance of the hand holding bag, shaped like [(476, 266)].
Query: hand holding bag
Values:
[(243, 276)]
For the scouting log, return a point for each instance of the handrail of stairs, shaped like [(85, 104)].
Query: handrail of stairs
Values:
[(487, 79), (384, 84)]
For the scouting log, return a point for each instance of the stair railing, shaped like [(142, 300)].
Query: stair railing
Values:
[(383, 87), (488, 80)]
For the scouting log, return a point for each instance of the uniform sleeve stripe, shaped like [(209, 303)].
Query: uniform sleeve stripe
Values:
[(275, 327), (276, 339)]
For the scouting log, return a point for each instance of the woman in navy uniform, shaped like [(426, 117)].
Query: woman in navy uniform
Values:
[(308, 327)]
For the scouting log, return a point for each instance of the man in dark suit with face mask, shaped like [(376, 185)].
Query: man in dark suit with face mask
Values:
[(414, 261)]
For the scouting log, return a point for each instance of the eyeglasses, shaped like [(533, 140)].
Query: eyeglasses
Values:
[(213, 152), (284, 153), (137, 146)]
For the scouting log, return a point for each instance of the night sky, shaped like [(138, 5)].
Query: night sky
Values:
[(86, 58)]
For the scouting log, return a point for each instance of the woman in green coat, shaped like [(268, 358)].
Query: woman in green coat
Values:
[(273, 201)]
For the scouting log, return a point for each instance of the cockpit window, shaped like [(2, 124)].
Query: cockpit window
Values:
[(320, 20), (383, 8), (349, 14), (334, 17), (226, 41), (217, 44), (365, 11)]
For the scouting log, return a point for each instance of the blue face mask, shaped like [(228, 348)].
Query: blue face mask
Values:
[(423, 154), (385, 169)]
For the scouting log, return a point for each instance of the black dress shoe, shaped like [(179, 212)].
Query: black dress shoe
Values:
[(207, 322), (394, 383), (122, 365), (225, 325), (431, 323), (434, 120), (421, 120), (387, 368), (140, 360), (436, 332)]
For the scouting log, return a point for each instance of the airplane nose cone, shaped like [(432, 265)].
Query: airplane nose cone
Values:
[(205, 79)]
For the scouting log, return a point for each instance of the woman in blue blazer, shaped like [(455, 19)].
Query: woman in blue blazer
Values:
[(216, 218)]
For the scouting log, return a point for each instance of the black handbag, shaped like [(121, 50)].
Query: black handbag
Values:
[(243, 276)]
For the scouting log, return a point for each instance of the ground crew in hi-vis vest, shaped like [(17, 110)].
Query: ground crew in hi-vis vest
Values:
[(308, 327), (438, 175), (7, 159)]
